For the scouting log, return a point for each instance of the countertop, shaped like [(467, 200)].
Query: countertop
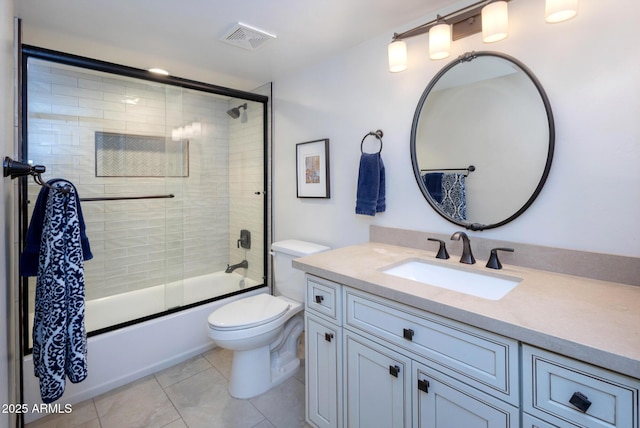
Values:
[(593, 321)]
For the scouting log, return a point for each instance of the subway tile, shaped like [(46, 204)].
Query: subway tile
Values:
[(75, 91)]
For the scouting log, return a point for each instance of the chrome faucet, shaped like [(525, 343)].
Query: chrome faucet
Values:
[(467, 255), (242, 264)]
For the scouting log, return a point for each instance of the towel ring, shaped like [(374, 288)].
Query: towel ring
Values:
[(378, 134)]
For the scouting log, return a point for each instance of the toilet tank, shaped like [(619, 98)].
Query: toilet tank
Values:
[(289, 282)]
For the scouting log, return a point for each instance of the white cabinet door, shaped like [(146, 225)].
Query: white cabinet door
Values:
[(442, 402), (377, 385), (324, 373)]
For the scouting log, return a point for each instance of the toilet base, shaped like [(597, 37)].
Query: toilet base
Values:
[(255, 371)]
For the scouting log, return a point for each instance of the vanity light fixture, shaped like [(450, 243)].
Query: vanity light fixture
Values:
[(397, 56), (495, 21), (440, 39), (490, 17), (560, 10)]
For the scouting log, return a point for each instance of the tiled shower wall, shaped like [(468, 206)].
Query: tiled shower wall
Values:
[(246, 188), (140, 243)]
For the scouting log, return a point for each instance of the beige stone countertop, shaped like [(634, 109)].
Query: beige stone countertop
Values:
[(594, 321)]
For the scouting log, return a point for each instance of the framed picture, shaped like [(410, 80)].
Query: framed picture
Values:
[(312, 168)]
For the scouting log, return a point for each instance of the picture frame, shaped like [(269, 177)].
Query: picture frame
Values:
[(312, 169)]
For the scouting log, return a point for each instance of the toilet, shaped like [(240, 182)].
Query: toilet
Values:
[(263, 330)]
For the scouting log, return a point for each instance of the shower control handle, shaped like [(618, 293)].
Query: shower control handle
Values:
[(245, 239)]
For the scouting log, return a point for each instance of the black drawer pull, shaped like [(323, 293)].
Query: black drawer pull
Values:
[(328, 337), (394, 370), (407, 333), (423, 385), (580, 401), (319, 299)]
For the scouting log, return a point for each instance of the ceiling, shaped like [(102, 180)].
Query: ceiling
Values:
[(188, 31)]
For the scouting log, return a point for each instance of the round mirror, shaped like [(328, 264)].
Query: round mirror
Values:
[(482, 140)]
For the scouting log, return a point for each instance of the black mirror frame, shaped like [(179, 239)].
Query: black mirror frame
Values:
[(467, 57)]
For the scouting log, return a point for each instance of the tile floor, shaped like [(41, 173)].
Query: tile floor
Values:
[(191, 394)]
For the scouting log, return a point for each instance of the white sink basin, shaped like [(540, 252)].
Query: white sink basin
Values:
[(492, 286)]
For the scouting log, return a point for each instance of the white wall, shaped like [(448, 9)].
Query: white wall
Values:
[(591, 201), (6, 142)]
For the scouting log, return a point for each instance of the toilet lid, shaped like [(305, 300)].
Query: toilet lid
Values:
[(248, 312)]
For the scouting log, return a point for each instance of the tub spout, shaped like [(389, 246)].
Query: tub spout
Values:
[(231, 268)]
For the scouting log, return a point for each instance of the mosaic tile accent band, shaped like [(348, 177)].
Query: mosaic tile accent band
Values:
[(125, 155)]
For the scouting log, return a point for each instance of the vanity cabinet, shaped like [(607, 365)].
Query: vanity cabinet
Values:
[(565, 392), (374, 362), (409, 368), (323, 353)]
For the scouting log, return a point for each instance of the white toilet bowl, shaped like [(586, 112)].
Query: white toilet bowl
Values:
[(263, 331)]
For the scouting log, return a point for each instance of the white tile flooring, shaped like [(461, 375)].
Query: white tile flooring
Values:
[(191, 394)]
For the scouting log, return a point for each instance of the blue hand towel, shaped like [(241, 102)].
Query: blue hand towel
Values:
[(433, 181), (370, 198), (29, 257)]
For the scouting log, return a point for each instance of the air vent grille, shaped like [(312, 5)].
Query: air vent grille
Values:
[(246, 37)]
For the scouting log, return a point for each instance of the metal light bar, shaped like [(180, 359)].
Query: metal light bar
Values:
[(464, 22)]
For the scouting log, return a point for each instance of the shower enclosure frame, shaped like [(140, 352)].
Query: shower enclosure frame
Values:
[(27, 52)]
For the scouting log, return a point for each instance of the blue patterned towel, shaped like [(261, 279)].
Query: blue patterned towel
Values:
[(454, 199), (59, 336), (29, 259)]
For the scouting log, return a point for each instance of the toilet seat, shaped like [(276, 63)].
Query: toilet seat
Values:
[(248, 312)]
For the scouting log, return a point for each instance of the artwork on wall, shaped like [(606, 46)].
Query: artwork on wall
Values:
[(312, 169)]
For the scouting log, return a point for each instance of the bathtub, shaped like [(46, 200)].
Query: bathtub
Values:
[(108, 311), (121, 356)]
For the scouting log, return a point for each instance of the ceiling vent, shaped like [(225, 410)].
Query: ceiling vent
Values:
[(246, 37)]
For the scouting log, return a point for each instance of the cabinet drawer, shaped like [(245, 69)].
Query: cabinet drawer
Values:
[(324, 298), (487, 361), (565, 390)]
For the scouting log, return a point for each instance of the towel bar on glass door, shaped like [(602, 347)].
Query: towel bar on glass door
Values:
[(124, 198), (16, 169)]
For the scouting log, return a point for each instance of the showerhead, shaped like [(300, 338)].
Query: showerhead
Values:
[(235, 112)]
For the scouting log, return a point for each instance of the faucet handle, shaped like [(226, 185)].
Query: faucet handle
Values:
[(494, 262), (442, 251)]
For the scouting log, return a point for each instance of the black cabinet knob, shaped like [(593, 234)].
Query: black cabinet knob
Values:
[(423, 385), (407, 333), (319, 299), (394, 370), (580, 401), (328, 337)]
